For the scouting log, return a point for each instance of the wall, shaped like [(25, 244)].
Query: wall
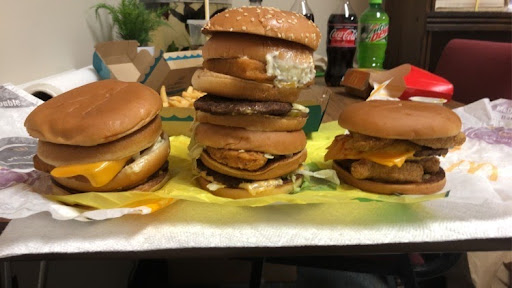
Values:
[(44, 38)]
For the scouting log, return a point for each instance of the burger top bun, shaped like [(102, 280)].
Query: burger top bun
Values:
[(400, 120), (266, 21), (95, 113)]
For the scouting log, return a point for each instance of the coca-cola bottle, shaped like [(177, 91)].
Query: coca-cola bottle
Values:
[(341, 43), (302, 7)]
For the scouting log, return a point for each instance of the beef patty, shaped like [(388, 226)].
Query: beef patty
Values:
[(225, 106)]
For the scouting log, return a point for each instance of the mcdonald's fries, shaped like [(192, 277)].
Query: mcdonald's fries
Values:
[(186, 99)]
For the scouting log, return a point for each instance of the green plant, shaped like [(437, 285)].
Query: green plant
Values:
[(133, 20)]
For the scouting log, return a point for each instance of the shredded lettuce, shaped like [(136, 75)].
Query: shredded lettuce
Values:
[(317, 179)]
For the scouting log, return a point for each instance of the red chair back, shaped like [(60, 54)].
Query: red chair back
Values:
[(477, 69)]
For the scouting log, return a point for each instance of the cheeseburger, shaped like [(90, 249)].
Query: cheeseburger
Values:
[(105, 136), (248, 141), (393, 146)]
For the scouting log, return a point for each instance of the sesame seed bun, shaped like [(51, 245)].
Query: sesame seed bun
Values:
[(400, 120), (266, 21)]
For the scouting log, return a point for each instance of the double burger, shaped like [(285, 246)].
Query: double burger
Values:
[(248, 141), (393, 146), (105, 136)]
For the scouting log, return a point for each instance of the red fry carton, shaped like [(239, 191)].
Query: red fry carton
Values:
[(406, 81)]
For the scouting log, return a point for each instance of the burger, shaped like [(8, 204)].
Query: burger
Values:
[(248, 139), (105, 136), (258, 53), (393, 146), (239, 163)]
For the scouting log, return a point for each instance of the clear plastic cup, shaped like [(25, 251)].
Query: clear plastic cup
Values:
[(197, 38)]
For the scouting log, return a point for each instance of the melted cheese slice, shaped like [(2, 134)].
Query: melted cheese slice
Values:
[(392, 155), (99, 173)]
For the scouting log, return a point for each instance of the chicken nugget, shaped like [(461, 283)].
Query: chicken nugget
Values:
[(408, 172), (445, 142), (238, 159)]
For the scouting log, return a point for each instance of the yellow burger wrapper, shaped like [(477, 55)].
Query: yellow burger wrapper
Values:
[(183, 184)]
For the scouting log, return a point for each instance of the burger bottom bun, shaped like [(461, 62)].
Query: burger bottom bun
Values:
[(239, 193), (392, 188), (237, 88), (132, 175), (254, 122), (273, 169)]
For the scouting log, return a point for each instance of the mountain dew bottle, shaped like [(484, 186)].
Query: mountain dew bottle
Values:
[(372, 36)]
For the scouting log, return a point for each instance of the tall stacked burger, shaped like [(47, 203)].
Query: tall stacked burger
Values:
[(393, 146), (249, 140), (105, 137)]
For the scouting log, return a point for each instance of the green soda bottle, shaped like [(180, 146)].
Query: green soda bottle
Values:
[(372, 36)]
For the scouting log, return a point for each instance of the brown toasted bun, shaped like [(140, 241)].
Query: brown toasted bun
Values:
[(95, 113), (60, 154), (253, 122), (244, 68), (255, 47), (237, 88), (273, 170), (276, 143), (132, 175), (239, 193), (266, 21), (400, 120), (391, 188)]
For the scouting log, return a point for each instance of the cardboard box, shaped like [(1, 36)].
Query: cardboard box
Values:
[(405, 82), (121, 60), (357, 82), (315, 98), (182, 66), (177, 120)]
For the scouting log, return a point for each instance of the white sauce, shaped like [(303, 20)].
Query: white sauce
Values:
[(287, 72)]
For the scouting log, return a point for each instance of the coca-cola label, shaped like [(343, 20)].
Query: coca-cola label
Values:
[(342, 35), (375, 32)]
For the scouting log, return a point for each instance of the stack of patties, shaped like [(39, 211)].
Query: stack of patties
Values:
[(393, 146), (249, 138), (105, 136)]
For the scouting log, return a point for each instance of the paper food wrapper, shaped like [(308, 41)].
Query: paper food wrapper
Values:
[(479, 171), (408, 82)]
